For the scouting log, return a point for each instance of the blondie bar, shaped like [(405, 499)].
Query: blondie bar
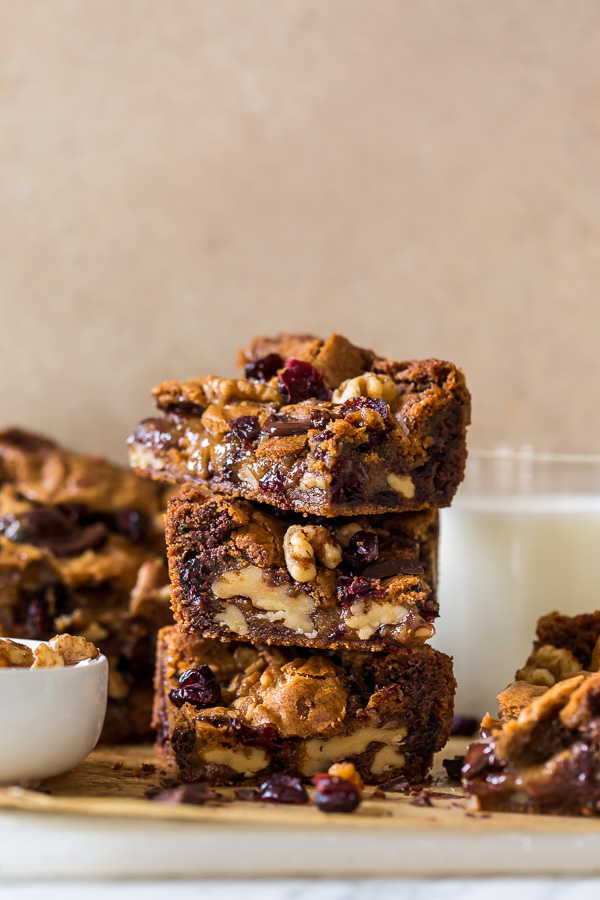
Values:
[(543, 754), (316, 427), (240, 571), (80, 545), (232, 713)]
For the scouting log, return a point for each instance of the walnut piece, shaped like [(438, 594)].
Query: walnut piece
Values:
[(549, 664), (402, 484), (302, 543), (62, 650), (379, 387), (47, 658), (303, 698), (14, 655), (73, 649)]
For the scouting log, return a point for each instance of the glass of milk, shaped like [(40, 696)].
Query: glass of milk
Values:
[(522, 539)]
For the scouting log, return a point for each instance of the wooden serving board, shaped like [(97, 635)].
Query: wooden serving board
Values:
[(105, 799)]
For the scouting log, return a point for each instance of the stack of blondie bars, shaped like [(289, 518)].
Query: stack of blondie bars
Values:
[(302, 558)]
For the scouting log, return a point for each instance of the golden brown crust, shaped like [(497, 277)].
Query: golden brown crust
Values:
[(359, 435)]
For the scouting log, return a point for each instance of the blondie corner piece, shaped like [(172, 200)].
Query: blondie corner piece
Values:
[(80, 551), (243, 572), (233, 714), (543, 754), (316, 427)]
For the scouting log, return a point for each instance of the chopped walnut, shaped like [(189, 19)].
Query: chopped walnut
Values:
[(14, 655), (300, 546), (226, 390), (347, 771), (379, 387), (301, 698), (402, 484), (547, 665), (73, 649), (47, 658)]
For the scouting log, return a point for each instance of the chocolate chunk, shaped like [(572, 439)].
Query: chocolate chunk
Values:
[(400, 565), (395, 786), (453, 766), (52, 529), (283, 426)]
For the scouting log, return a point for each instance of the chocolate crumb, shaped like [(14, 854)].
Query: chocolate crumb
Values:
[(421, 799), (117, 766), (395, 786), (197, 794), (246, 794), (169, 782), (453, 766), (441, 795)]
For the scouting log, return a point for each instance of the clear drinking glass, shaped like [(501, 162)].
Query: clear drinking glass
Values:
[(522, 539)]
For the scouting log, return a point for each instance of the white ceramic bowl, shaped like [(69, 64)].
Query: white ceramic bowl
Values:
[(50, 719)]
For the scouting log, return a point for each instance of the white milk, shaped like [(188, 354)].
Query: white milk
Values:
[(505, 561)]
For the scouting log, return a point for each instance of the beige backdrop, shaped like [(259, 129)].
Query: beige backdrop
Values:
[(178, 176)]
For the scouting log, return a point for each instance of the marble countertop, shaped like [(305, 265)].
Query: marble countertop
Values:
[(309, 889)]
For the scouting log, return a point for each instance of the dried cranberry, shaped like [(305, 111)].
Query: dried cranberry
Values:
[(131, 523), (272, 483), (264, 368), (335, 794), (300, 381), (283, 789), (362, 550), (246, 428), (261, 735), (464, 726), (39, 623), (199, 688), (349, 479), (350, 589)]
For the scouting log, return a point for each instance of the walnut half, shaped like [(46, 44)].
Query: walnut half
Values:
[(302, 543)]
